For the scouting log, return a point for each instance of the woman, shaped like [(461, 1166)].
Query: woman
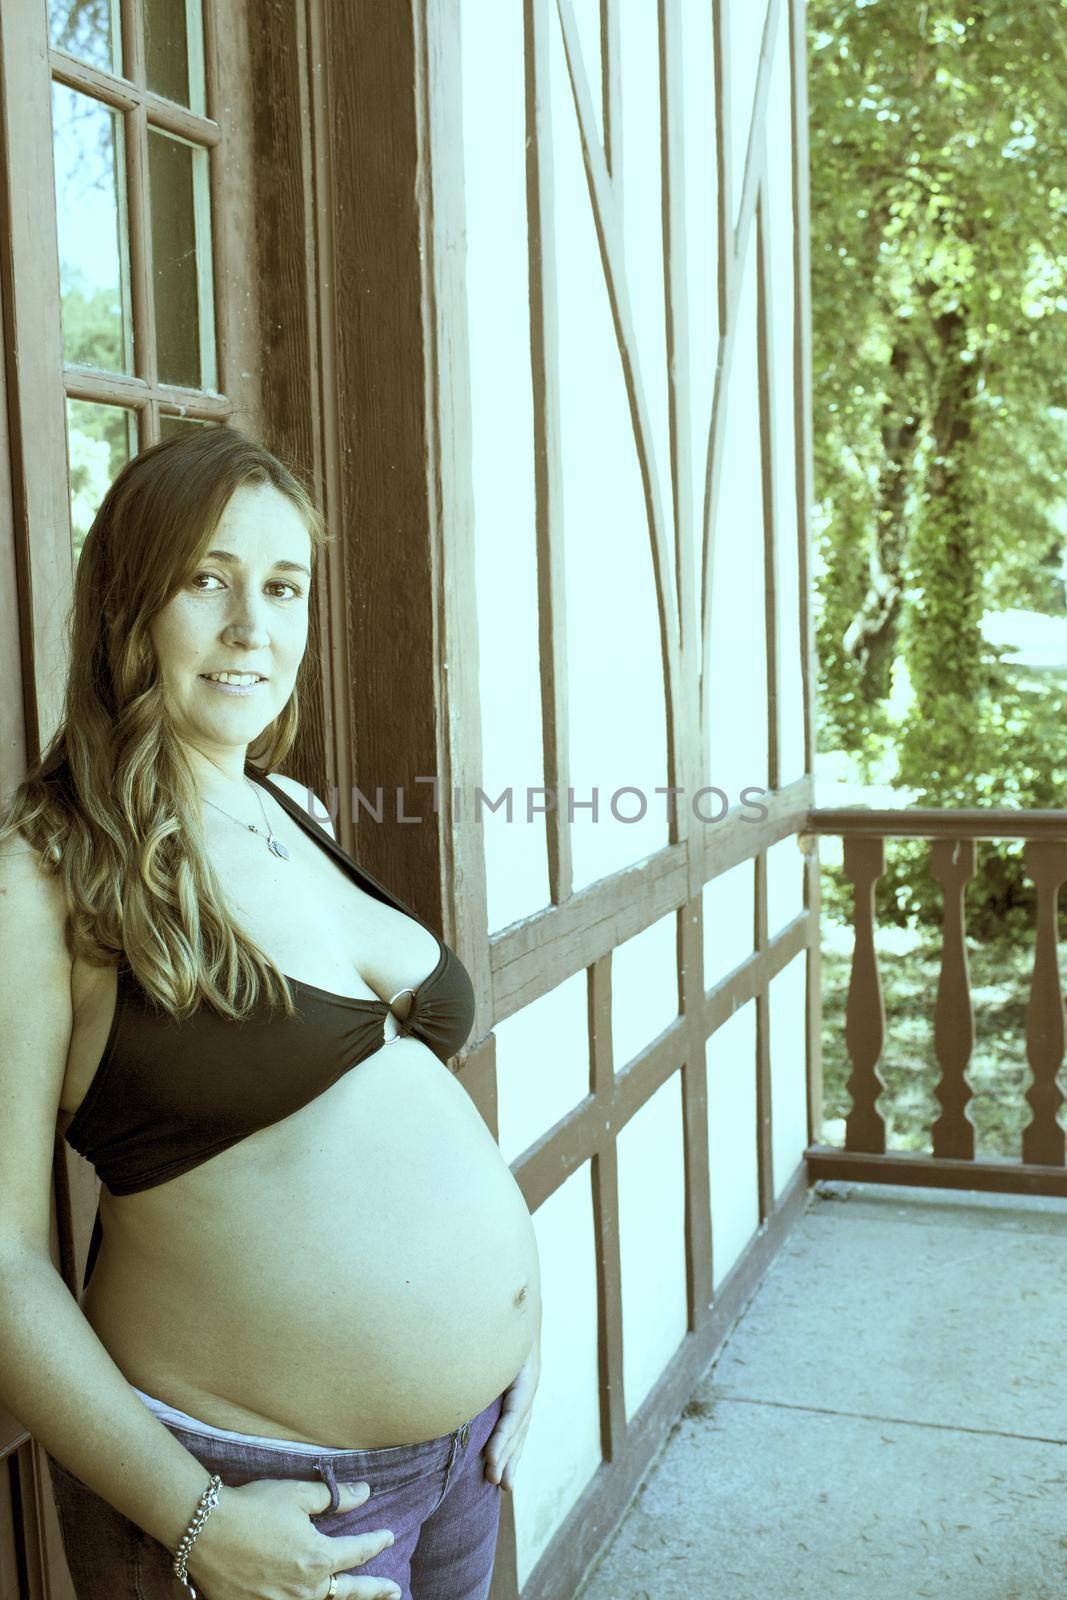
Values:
[(312, 1270)]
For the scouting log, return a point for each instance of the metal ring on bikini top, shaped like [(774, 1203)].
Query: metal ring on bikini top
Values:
[(401, 1022)]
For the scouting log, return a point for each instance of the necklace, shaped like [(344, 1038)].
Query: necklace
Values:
[(273, 843)]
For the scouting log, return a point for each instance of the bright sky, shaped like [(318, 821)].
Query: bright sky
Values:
[(85, 188)]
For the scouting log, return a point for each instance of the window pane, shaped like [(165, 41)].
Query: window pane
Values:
[(174, 51), (166, 55), (100, 440), (91, 221), (169, 426), (181, 253), (88, 29)]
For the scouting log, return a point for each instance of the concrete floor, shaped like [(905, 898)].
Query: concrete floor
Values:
[(887, 1419)]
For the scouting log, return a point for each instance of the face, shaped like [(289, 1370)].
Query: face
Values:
[(243, 610)]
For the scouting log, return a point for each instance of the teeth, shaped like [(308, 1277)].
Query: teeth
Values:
[(232, 677)]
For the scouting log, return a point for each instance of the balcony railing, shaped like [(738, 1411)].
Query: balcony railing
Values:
[(951, 1163)]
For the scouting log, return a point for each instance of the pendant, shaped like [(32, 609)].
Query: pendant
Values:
[(277, 846)]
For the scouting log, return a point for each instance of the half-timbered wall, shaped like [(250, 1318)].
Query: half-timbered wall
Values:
[(635, 304)]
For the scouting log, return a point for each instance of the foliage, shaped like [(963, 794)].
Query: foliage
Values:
[(939, 286), (84, 27), (99, 437), (92, 324)]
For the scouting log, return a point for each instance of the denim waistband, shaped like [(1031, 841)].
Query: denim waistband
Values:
[(244, 1457), (188, 1424), (181, 1420)]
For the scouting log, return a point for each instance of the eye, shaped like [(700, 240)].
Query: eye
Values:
[(276, 583)]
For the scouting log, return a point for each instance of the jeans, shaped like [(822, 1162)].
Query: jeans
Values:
[(435, 1496)]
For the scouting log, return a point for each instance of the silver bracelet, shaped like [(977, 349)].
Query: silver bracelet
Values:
[(204, 1506)]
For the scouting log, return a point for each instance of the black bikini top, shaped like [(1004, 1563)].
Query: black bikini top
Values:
[(169, 1095)]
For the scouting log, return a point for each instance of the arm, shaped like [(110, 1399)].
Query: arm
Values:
[(55, 1375), (63, 1386)]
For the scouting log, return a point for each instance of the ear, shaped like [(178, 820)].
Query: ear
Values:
[(310, 802)]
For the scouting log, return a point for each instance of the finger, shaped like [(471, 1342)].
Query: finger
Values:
[(499, 1445), (316, 1498), (507, 1481), (356, 1549), (511, 1457), (500, 1449), (366, 1589), (351, 1586)]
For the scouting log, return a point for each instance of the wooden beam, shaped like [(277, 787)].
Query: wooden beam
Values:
[(547, 442), (30, 301)]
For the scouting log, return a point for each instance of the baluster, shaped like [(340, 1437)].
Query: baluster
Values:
[(865, 1012), (953, 1133), (1043, 1139)]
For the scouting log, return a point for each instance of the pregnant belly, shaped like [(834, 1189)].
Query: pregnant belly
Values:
[(362, 1274)]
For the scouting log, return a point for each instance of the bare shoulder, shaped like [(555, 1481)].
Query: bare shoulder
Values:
[(305, 797), (27, 888), (33, 907)]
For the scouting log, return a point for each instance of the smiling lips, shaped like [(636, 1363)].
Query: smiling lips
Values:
[(242, 678)]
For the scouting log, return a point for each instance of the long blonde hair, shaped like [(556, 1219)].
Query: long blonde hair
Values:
[(111, 806)]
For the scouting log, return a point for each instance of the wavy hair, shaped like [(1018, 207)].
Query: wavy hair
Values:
[(111, 806)]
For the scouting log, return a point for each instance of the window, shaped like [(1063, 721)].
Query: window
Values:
[(132, 153)]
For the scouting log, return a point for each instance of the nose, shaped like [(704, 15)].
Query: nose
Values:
[(247, 620)]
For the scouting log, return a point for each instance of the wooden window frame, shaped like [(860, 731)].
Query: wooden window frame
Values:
[(39, 383)]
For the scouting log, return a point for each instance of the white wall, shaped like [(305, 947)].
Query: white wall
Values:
[(614, 682)]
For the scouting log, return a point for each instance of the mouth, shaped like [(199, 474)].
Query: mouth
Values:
[(236, 683)]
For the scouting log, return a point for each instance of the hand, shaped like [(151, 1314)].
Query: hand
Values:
[(504, 1445), (259, 1543)]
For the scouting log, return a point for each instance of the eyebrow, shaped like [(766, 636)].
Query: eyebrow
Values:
[(228, 555)]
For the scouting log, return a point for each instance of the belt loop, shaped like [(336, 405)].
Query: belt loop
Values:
[(324, 1467)]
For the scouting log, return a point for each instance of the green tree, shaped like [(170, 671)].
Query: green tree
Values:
[(939, 286)]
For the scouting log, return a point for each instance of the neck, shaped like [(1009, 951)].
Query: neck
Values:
[(219, 774)]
